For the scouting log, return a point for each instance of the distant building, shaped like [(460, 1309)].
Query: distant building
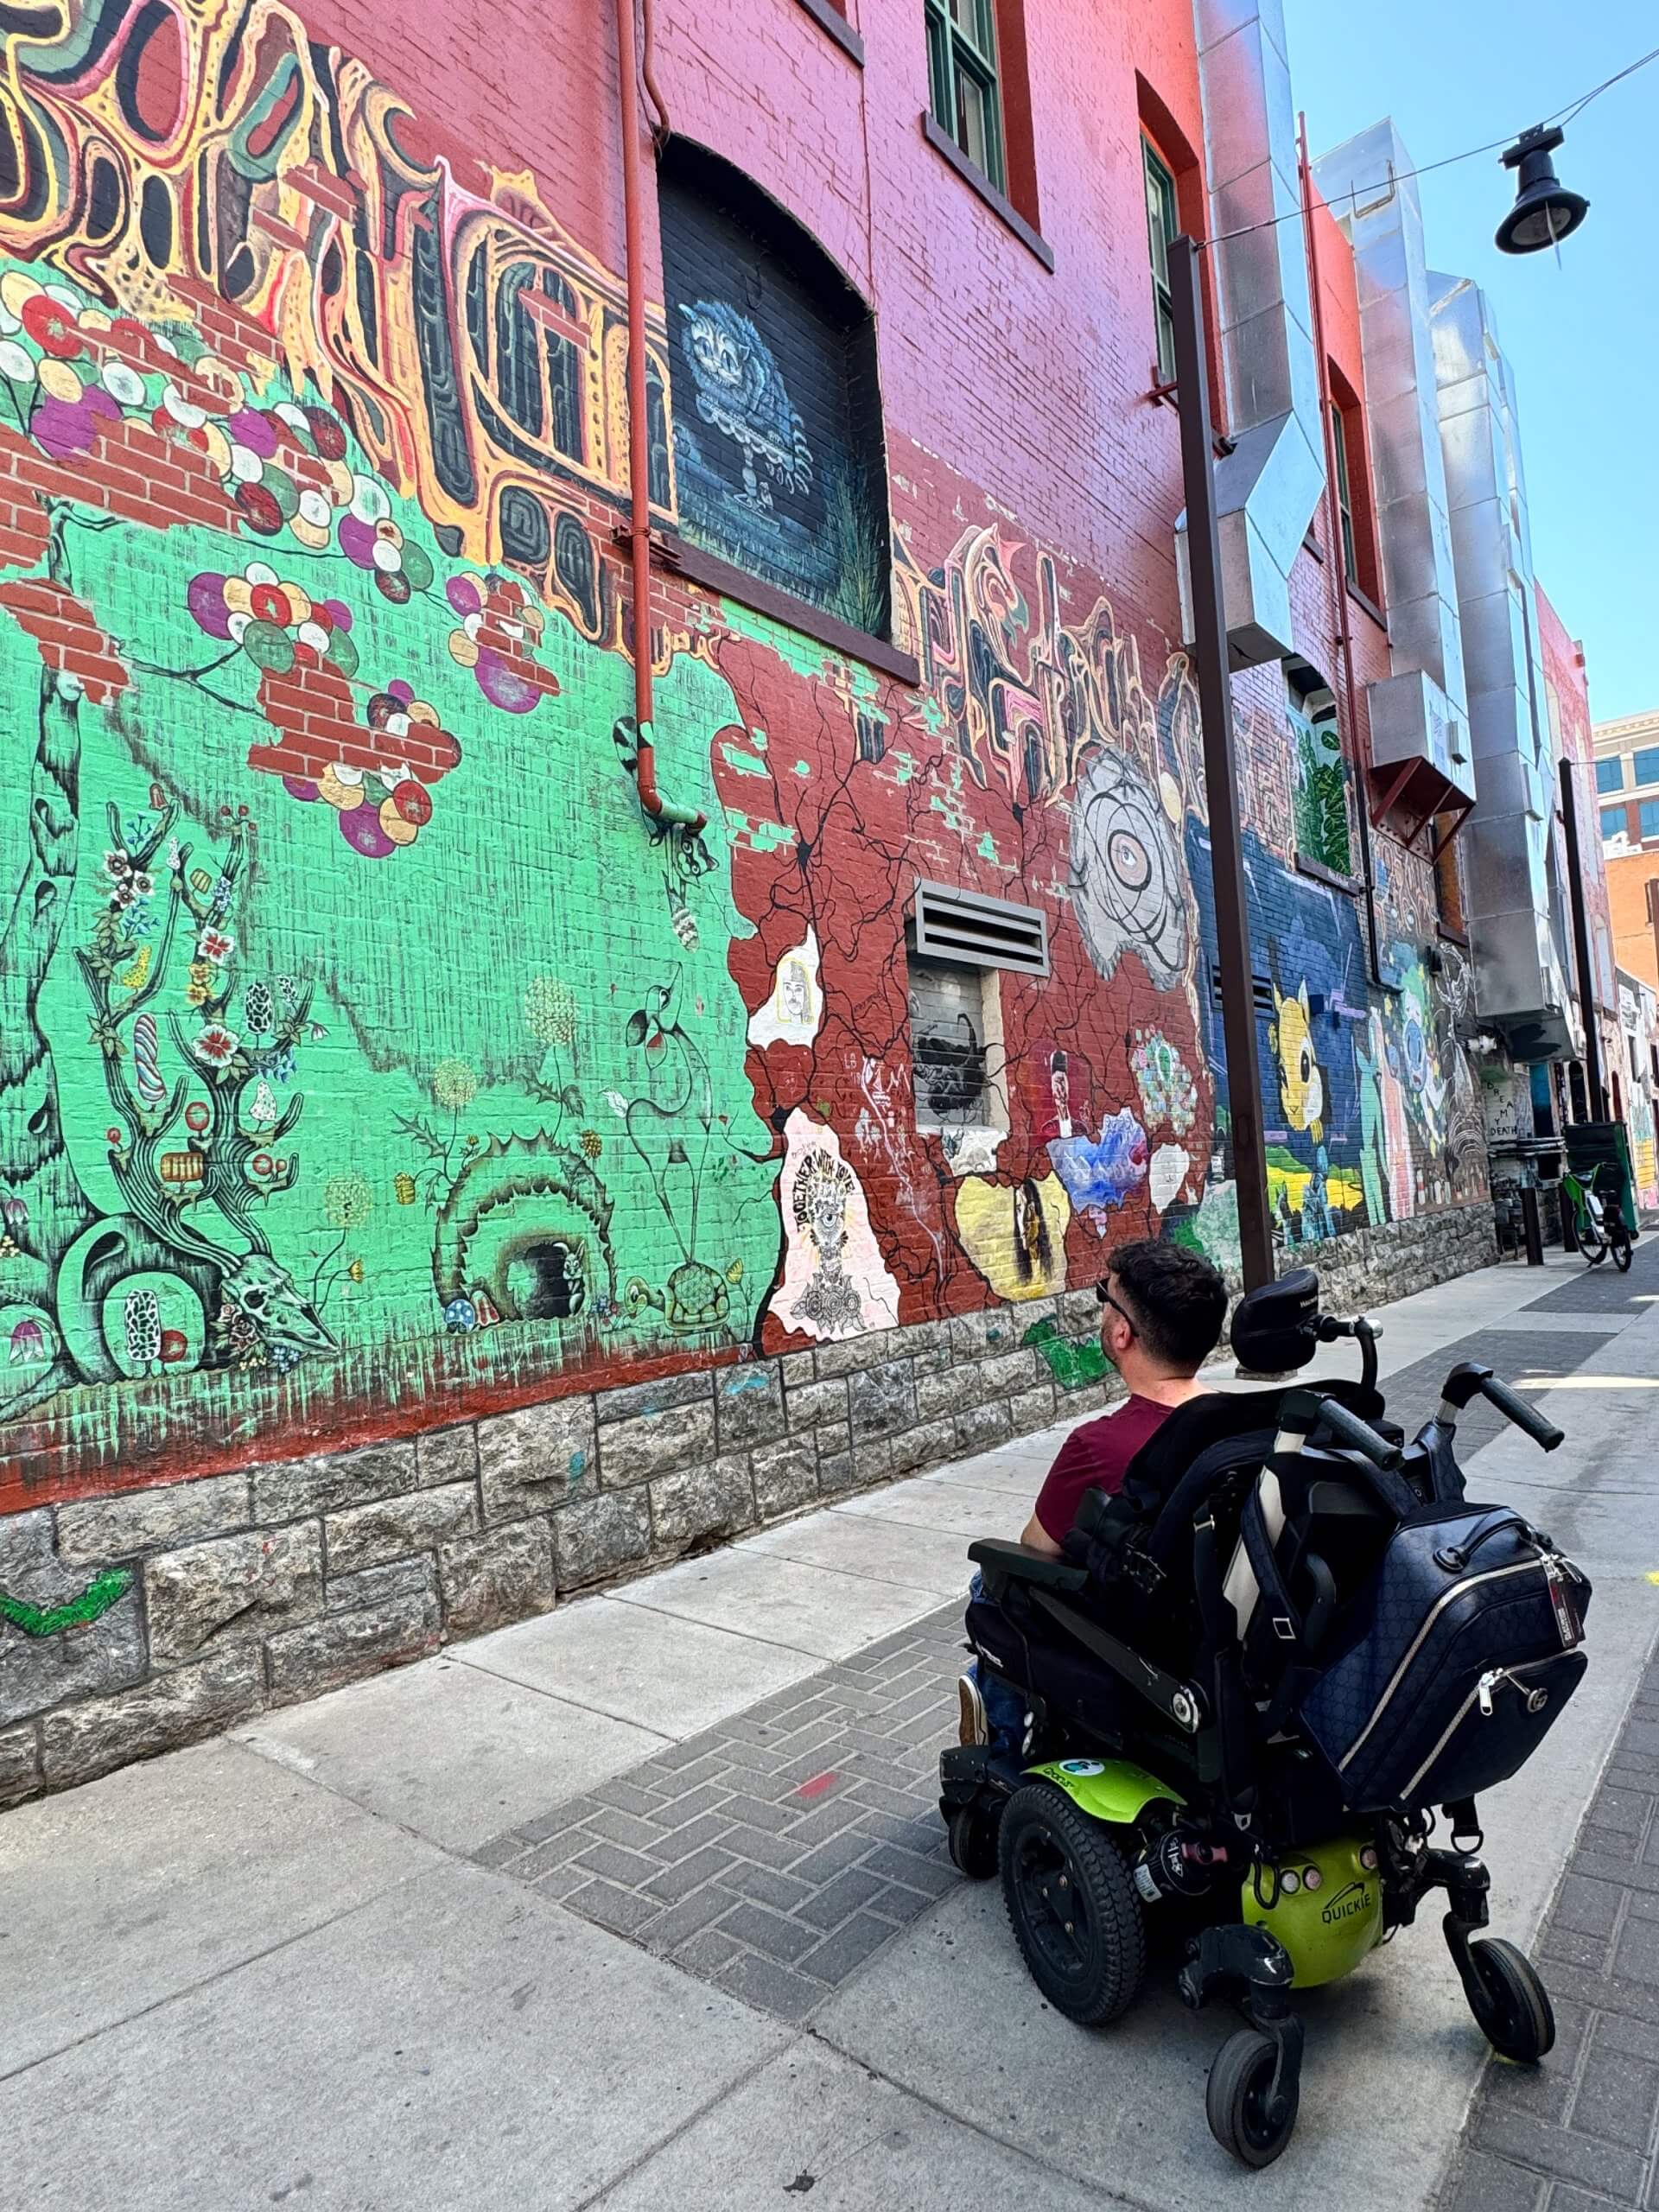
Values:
[(1627, 792)]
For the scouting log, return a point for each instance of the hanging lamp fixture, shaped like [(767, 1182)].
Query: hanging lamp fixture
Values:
[(1545, 212)]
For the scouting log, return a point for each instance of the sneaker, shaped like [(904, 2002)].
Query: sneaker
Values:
[(972, 1726)]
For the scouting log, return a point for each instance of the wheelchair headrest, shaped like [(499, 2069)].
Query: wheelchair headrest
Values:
[(1275, 1328)]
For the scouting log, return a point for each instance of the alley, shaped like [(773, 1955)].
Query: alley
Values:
[(645, 1902)]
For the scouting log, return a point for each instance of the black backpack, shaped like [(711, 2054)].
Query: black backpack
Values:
[(1455, 1660)]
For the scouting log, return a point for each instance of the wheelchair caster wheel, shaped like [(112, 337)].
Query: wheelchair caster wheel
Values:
[(973, 1842), (1245, 2116), (1072, 1906), (1513, 2009)]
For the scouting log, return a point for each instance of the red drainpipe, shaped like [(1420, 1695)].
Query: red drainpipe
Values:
[(645, 770)]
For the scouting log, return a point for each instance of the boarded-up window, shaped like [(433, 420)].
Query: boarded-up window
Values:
[(777, 451)]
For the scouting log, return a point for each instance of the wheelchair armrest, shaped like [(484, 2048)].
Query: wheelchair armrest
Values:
[(1019, 1563)]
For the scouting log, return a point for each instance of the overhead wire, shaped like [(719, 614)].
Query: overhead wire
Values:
[(1568, 113)]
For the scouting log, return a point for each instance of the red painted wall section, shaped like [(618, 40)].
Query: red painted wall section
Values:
[(1338, 295), (965, 313), (1050, 754)]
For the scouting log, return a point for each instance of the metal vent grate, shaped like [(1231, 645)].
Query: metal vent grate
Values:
[(1261, 992), (979, 931)]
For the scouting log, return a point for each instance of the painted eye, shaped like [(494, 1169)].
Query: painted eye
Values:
[(1307, 1064)]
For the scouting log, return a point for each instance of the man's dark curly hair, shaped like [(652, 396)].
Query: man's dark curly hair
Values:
[(1176, 1299)]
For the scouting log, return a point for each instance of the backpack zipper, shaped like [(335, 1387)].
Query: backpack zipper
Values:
[(1482, 1694), (1458, 1590)]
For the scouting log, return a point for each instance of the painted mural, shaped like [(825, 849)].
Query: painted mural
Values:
[(359, 1039), (777, 442)]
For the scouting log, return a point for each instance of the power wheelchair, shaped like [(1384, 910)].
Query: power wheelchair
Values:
[(1245, 1689)]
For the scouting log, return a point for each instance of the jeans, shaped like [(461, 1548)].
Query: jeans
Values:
[(1005, 1707)]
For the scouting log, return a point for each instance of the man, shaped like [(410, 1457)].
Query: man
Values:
[(1164, 1308)]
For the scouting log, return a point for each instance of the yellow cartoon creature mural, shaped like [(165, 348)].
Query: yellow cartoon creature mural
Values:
[(1301, 1080)]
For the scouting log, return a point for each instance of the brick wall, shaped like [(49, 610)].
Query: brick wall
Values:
[(368, 1060), (1628, 879), (251, 1589)]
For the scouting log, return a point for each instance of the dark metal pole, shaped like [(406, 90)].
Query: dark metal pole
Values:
[(1581, 945), (1220, 770), (1531, 1227)]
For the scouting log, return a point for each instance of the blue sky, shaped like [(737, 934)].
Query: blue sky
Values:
[(1583, 338)]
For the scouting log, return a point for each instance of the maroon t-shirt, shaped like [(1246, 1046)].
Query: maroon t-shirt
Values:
[(1096, 1456)]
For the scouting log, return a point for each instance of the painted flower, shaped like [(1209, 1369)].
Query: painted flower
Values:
[(118, 866), (1168, 1094), (348, 1200), (453, 1084), (551, 1010), (592, 1143), (200, 986), (215, 946), (215, 1044), (268, 616), (500, 627)]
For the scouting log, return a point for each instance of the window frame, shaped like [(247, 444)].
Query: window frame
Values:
[(1344, 491), (1157, 174), (1644, 753), (1647, 810), (987, 985), (1616, 762), (951, 46), (1622, 819)]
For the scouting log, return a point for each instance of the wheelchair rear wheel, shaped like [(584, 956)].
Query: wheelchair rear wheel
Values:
[(1071, 1904)]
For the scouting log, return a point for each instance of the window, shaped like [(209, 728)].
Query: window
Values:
[(1647, 766), (1163, 224), (1649, 812), (778, 457), (958, 942), (1350, 480), (1344, 496), (1320, 772), (1613, 821), (1610, 774), (963, 85), (955, 1046)]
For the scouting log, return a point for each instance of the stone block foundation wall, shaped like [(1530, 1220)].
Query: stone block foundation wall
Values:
[(260, 1588)]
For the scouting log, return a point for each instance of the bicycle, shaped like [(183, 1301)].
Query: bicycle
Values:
[(1597, 1217)]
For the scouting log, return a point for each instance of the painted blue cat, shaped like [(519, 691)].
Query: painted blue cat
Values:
[(740, 391)]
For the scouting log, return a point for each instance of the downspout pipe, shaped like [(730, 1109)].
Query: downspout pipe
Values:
[(660, 809), (1596, 1084), (1335, 556)]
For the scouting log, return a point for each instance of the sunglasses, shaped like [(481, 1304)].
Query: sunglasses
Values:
[(1106, 1299)]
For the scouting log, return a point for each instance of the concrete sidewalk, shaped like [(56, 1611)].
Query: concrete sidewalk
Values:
[(644, 1902)]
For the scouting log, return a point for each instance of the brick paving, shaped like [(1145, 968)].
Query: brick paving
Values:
[(1583, 2132), (774, 1853)]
